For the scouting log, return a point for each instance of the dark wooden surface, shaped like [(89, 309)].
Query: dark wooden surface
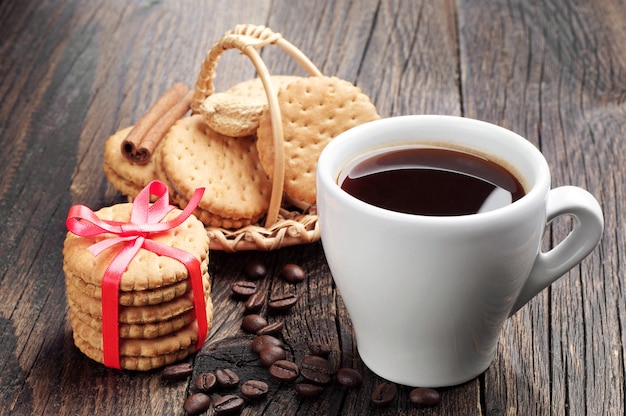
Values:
[(73, 72)]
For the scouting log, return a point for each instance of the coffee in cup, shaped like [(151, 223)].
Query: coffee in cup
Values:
[(430, 268), (431, 181)]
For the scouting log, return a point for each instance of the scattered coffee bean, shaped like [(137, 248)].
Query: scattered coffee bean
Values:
[(282, 302), (349, 377), (255, 302), (197, 403), (261, 341), (255, 270), (243, 288), (384, 394), (322, 350), (292, 273), (252, 323), (422, 396), (309, 390), (270, 354), (316, 369), (254, 389), (274, 328), (283, 370), (226, 378), (176, 372), (228, 404), (205, 382)]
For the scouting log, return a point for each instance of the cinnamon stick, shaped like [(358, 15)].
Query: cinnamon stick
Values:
[(160, 128), (148, 131)]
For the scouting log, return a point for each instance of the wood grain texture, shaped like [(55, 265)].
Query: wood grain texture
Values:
[(541, 71), (72, 72)]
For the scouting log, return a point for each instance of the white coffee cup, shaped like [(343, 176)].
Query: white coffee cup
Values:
[(428, 295)]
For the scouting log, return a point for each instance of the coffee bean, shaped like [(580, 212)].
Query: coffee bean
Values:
[(274, 328), (252, 323), (424, 397), (384, 394), (255, 302), (282, 302), (226, 378), (292, 273), (261, 341), (254, 389), (322, 350), (283, 370), (316, 369), (255, 270), (243, 288), (196, 403), (349, 377), (176, 372), (270, 354), (228, 404), (205, 382), (309, 390)]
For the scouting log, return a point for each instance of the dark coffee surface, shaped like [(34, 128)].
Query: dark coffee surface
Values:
[(432, 181)]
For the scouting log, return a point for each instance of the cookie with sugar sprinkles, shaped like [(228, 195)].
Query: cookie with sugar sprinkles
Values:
[(147, 270), (314, 110), (237, 189), (127, 177)]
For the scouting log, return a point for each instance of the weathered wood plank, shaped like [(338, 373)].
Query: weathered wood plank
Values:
[(74, 75), (72, 72), (551, 72)]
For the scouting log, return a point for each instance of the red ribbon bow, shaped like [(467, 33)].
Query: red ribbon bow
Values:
[(145, 221)]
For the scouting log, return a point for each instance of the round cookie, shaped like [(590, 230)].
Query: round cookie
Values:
[(141, 354), (132, 314), (137, 321), (192, 155), (127, 177), (147, 270), (167, 344), (134, 363), (314, 110), (139, 331), (141, 297)]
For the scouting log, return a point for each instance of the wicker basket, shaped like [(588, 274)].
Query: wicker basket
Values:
[(285, 224)]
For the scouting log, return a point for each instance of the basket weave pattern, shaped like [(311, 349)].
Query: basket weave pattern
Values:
[(283, 226)]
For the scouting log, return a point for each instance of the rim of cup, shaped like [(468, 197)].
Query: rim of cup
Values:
[(450, 132)]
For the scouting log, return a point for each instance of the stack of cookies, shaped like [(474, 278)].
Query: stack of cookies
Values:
[(157, 319)]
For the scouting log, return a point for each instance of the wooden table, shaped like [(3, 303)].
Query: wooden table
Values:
[(73, 72)]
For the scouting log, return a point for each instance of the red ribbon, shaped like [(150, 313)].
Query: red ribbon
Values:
[(145, 221)]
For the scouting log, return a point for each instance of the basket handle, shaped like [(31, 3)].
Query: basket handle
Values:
[(248, 39)]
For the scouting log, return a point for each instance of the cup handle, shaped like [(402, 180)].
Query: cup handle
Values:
[(585, 235)]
